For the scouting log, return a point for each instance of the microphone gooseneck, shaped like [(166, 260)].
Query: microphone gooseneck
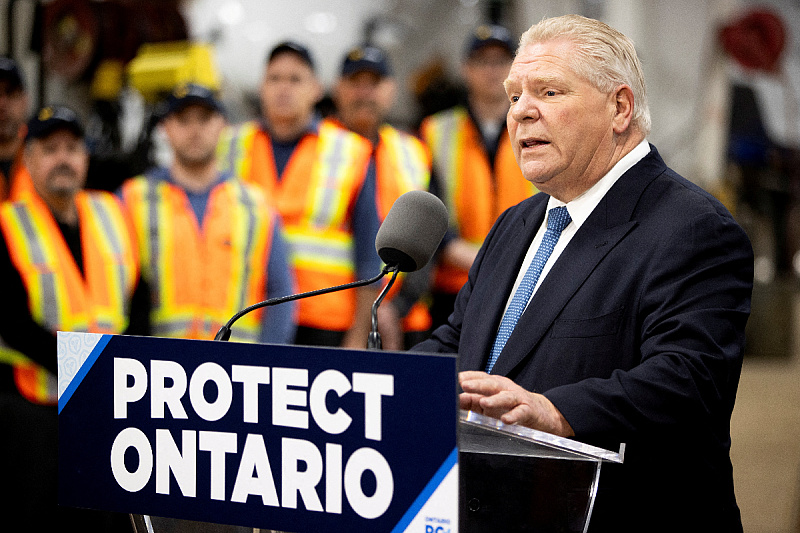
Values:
[(406, 241), (224, 332), (374, 338)]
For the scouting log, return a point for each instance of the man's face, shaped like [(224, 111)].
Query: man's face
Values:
[(13, 108), (193, 134), (560, 125), (485, 70), (58, 164), (289, 90), (363, 99)]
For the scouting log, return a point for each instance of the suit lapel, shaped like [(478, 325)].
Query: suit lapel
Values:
[(574, 265), (494, 295), (609, 223)]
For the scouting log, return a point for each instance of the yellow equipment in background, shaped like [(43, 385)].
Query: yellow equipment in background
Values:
[(160, 67)]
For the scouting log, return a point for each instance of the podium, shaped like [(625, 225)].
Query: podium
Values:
[(513, 478), (190, 435)]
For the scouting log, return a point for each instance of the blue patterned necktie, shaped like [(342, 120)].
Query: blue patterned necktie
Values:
[(557, 219)]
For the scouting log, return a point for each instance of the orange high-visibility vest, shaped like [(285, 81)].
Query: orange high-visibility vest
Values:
[(402, 164), (475, 195), (59, 297), (314, 197), (200, 276), (19, 181)]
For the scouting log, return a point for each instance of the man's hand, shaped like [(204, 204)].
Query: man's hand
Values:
[(499, 397)]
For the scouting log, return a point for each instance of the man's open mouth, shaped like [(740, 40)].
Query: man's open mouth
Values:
[(529, 143)]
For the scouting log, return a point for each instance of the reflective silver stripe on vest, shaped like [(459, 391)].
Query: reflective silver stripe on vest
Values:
[(323, 208), (445, 153), (116, 246), (247, 202), (325, 253), (106, 326), (407, 159), (46, 277), (171, 328), (233, 149), (445, 156), (237, 335), (152, 228)]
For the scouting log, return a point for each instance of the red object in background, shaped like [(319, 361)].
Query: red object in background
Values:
[(78, 34), (756, 40), (70, 38)]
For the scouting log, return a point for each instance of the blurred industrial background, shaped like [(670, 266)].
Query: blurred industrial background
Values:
[(723, 80)]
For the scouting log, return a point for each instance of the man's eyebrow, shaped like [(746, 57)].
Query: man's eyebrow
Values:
[(536, 80)]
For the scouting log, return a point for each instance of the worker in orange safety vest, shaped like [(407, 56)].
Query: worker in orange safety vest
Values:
[(316, 173), (363, 96), (210, 244), (474, 169), (68, 262)]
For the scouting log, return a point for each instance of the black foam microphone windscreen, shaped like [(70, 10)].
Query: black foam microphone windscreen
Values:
[(412, 230)]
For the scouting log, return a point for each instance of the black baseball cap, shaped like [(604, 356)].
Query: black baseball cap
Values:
[(9, 71), (292, 47), (490, 34), (366, 58), (52, 118), (188, 94)]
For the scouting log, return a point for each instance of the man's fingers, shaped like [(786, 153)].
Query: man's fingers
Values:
[(469, 375), (520, 414), (502, 400), (483, 383), (470, 402)]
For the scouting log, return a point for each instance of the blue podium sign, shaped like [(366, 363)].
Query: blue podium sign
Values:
[(266, 436)]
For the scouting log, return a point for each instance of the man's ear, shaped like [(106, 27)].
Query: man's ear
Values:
[(623, 113)]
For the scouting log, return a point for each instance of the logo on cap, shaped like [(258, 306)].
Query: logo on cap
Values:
[(483, 32), (181, 91)]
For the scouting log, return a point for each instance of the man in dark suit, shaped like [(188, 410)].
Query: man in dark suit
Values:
[(612, 307)]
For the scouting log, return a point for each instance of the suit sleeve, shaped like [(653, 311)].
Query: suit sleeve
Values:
[(691, 318)]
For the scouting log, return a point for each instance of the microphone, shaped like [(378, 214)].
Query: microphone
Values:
[(412, 231), (407, 239)]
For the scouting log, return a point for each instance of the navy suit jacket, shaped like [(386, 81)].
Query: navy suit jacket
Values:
[(636, 335)]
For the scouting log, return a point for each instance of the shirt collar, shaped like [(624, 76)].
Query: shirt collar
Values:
[(312, 128), (581, 207)]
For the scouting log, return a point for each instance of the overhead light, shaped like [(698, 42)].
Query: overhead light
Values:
[(231, 13), (321, 22)]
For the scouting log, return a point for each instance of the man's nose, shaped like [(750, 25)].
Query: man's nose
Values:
[(525, 108)]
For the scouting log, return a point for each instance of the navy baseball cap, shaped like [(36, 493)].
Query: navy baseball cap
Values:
[(294, 48), (52, 118), (188, 94), (490, 34), (366, 58), (9, 71)]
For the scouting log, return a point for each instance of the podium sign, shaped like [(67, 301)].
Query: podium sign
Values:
[(273, 437)]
